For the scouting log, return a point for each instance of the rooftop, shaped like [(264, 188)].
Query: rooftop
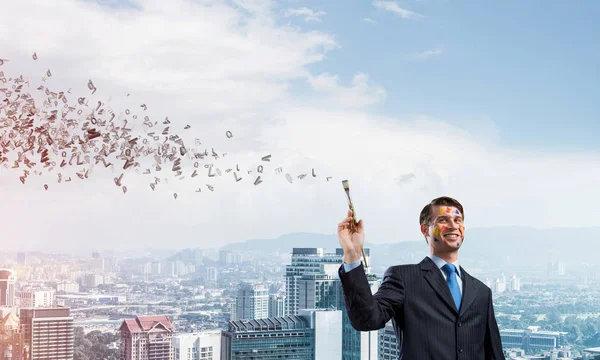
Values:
[(269, 324), (147, 323)]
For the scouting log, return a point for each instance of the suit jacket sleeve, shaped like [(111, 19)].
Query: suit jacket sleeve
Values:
[(493, 342), (368, 311)]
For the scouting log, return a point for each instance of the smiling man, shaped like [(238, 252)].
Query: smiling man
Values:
[(438, 310)]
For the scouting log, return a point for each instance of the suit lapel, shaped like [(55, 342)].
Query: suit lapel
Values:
[(436, 281), (469, 291)]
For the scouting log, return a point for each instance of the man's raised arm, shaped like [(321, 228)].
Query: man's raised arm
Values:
[(366, 311)]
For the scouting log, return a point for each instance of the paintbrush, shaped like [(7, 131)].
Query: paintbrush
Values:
[(346, 185)]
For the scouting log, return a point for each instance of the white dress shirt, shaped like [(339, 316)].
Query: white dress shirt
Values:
[(440, 263)]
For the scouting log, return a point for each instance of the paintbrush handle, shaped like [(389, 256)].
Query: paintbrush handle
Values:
[(353, 213), (356, 222), (364, 257)]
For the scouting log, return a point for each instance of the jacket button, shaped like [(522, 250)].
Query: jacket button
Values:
[(459, 324), (460, 350)]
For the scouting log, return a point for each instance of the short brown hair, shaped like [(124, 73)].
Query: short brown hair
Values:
[(426, 213)]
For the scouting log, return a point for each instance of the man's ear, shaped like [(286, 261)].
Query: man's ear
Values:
[(424, 230)]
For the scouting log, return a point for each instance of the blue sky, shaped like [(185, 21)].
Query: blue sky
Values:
[(517, 79), (531, 67)]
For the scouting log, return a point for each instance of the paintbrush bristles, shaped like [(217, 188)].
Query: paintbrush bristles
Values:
[(346, 185)]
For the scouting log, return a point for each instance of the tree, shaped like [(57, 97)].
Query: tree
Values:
[(574, 333), (79, 354), (528, 319), (592, 341), (554, 317), (94, 345)]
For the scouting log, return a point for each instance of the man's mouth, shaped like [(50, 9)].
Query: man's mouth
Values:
[(452, 236)]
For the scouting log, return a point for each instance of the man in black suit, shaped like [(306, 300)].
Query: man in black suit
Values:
[(438, 310)]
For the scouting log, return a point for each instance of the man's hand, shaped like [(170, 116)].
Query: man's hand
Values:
[(351, 237)]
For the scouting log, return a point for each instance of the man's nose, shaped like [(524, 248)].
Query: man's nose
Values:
[(453, 225)]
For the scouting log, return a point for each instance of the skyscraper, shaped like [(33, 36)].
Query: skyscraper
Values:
[(359, 345), (7, 287), (319, 291), (313, 282), (252, 302), (47, 333), (307, 261), (327, 325), (146, 338)]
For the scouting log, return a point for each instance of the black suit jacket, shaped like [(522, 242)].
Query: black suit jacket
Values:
[(427, 324)]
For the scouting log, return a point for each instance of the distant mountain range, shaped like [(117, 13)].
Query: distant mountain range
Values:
[(489, 246)]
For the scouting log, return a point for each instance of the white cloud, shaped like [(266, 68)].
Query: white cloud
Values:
[(424, 54), (395, 8), (309, 15), (360, 94), (369, 20), (218, 68)]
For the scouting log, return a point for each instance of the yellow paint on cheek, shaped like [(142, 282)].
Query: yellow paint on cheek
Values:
[(436, 232)]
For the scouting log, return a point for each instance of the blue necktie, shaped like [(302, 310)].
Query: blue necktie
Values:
[(452, 283)]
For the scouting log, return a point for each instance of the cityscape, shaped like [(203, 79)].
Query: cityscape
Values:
[(172, 175), (220, 303)]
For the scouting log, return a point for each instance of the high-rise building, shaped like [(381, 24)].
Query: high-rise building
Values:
[(238, 258), (500, 284), (205, 345), (225, 257), (312, 279), (252, 302), (556, 268), (276, 305), (32, 297), (11, 337), (288, 337), (319, 291), (190, 256), (7, 287), (47, 333), (388, 343), (168, 269), (67, 287), (156, 268), (327, 325), (307, 261), (515, 283), (211, 274), (147, 338), (92, 280), (359, 345), (97, 263), (111, 264)]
